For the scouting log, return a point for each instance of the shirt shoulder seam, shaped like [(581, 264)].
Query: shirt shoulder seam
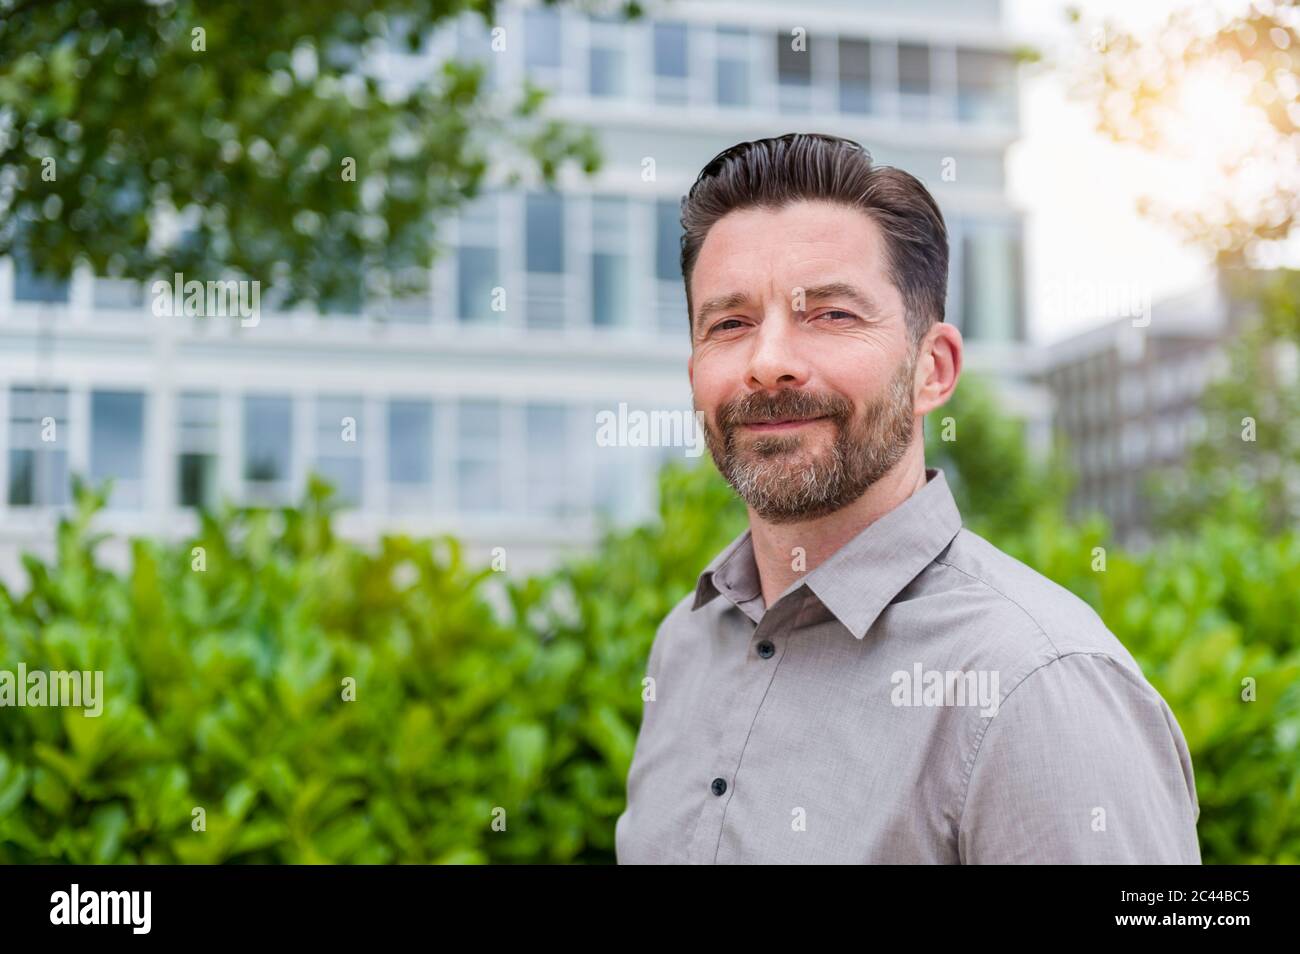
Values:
[(1033, 619), (983, 731)]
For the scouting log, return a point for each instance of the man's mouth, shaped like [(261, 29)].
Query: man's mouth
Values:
[(784, 424)]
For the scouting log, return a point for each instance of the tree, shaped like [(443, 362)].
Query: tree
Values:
[(251, 140), (1211, 85)]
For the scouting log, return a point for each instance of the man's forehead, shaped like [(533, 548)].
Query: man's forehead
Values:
[(817, 228), (742, 253)]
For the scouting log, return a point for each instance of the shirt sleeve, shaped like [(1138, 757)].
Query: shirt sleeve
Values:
[(1083, 763)]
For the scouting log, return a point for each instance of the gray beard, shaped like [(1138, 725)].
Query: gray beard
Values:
[(785, 482)]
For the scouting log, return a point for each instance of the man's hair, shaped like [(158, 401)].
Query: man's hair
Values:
[(771, 173)]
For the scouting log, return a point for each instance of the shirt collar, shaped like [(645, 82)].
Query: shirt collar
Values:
[(861, 578), (734, 570)]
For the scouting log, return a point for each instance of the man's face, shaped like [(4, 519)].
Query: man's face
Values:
[(800, 361)]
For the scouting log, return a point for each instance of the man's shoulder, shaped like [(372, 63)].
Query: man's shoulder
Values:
[(680, 611), (680, 616), (1026, 607)]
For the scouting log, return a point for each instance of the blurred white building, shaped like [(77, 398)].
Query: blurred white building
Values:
[(480, 421), (1127, 394)]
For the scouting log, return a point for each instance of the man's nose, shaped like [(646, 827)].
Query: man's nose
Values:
[(777, 358)]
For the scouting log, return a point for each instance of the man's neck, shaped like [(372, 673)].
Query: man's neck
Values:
[(785, 552)]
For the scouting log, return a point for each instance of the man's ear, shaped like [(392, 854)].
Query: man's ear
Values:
[(690, 369)]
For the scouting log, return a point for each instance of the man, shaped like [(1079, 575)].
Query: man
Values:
[(857, 678)]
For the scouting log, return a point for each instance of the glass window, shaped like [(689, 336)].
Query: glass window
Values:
[(478, 467), (670, 310), (610, 288), (855, 76), (986, 89), (118, 293), (668, 237), (544, 232), (117, 445), (338, 445), (476, 276), (32, 286), (607, 72), (991, 276), (670, 293), (733, 66), (410, 451), (268, 448), (38, 456), (546, 303), (794, 72), (197, 446), (793, 66), (625, 478), (733, 83), (913, 68), (914, 80), (614, 482), (542, 38), (477, 260), (549, 484), (670, 50), (27, 283), (671, 63)]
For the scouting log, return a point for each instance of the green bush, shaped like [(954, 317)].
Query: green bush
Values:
[(224, 692)]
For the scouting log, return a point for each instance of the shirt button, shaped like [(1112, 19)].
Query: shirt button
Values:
[(766, 649), (719, 786)]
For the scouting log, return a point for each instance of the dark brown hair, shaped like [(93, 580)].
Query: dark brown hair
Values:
[(770, 173)]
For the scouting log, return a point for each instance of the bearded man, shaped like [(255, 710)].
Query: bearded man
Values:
[(858, 678)]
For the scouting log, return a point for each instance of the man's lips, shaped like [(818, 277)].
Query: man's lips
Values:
[(782, 425)]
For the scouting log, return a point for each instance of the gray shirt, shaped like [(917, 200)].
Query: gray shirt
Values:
[(919, 697)]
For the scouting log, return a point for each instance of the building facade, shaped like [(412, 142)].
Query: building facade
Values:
[(1126, 397), (472, 410)]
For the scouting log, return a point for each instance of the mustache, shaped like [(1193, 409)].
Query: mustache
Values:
[(786, 405)]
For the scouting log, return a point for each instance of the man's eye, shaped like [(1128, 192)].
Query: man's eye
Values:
[(840, 314), (722, 325)]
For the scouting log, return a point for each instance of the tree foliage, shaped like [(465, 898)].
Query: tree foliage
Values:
[(1214, 80), (260, 141)]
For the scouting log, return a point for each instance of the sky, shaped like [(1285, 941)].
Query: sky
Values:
[(1079, 190)]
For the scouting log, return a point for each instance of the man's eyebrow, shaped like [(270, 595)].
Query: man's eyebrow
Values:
[(845, 291), (721, 303)]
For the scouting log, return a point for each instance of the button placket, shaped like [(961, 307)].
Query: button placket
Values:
[(708, 833)]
